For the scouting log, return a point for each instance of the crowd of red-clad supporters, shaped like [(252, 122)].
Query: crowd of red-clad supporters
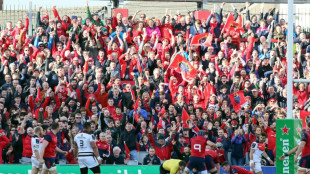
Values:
[(116, 74)]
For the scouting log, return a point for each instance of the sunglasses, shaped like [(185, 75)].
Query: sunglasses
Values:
[(41, 46)]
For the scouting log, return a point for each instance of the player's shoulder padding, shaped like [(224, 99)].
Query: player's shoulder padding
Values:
[(253, 145)]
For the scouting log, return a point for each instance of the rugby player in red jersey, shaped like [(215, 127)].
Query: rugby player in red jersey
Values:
[(304, 148), (48, 151), (197, 159), (211, 160), (234, 169)]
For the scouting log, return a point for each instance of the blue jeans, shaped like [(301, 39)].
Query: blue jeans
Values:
[(133, 155), (237, 161)]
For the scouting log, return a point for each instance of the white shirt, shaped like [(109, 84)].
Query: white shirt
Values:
[(36, 144), (257, 155), (83, 140)]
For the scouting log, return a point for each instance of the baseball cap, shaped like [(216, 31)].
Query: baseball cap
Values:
[(1, 130)]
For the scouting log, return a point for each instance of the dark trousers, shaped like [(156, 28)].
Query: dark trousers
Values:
[(162, 170)]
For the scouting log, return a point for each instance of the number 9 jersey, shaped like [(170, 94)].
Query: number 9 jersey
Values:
[(198, 146)]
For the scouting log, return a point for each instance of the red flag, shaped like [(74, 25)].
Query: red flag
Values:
[(305, 116), (161, 124), (202, 39), (181, 65), (135, 109), (132, 94), (186, 119), (209, 90), (86, 67), (136, 104), (127, 151), (237, 99), (38, 98), (230, 20), (120, 103)]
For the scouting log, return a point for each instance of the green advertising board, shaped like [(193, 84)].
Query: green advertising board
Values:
[(74, 169), (288, 135)]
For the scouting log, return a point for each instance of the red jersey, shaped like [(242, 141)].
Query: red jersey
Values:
[(103, 147), (111, 109), (271, 138), (212, 154), (239, 170), (198, 146), (50, 150), (117, 116), (27, 150), (306, 150)]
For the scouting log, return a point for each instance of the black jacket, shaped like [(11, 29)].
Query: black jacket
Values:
[(113, 160), (130, 138), (154, 160)]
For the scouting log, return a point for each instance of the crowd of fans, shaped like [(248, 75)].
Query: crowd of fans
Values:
[(76, 70)]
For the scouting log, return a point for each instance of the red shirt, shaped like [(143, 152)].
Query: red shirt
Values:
[(111, 109), (117, 117), (27, 150), (212, 154), (198, 146), (306, 150), (50, 150), (271, 138), (239, 170), (103, 146), (4, 141)]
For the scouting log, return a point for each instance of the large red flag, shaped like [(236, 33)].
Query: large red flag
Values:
[(181, 65), (237, 99), (204, 39), (127, 151), (186, 119), (230, 20), (305, 116)]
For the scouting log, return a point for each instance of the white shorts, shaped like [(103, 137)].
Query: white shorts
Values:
[(257, 167), (88, 161), (35, 162)]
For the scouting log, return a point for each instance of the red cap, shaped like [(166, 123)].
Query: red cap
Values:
[(272, 99), (1, 130), (90, 59)]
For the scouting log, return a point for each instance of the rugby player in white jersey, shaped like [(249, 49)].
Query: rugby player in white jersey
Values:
[(36, 144), (86, 150)]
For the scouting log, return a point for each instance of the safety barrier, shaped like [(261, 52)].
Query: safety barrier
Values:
[(106, 169)]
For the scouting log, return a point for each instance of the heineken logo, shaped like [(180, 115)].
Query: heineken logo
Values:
[(285, 130), (288, 134), (285, 149)]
